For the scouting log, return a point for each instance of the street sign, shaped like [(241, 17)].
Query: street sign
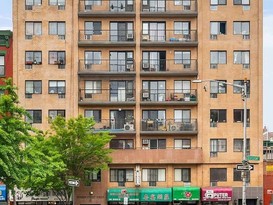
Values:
[(241, 167), (254, 158), (73, 182)]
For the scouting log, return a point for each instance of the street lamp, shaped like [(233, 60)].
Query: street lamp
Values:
[(244, 98)]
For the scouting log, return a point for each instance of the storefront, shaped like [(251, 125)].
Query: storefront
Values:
[(216, 195), (158, 196), (122, 195), (186, 195)]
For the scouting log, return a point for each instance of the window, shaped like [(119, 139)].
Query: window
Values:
[(153, 90), (182, 143), (217, 116), (92, 28), (91, 2), (241, 2), (182, 27), (121, 61), (154, 143), (33, 57), (217, 57), (216, 87), (57, 28), (154, 30), (218, 174), (182, 86), (237, 175), (121, 176), (30, 3), (153, 176), (92, 87), (52, 114), (59, 3), (238, 115), (56, 87), (237, 90), (92, 58), (241, 57), (2, 65), (182, 116), (241, 28), (217, 28), (182, 175), (217, 145), (182, 57), (56, 57), (218, 2), (121, 144), (153, 120), (96, 114), (154, 60), (33, 28), (33, 87), (35, 116), (238, 145), (91, 176), (121, 31)]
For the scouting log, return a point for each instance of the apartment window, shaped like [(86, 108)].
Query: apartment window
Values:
[(33, 87), (91, 175), (121, 61), (154, 60), (153, 175), (237, 175), (33, 28), (241, 2), (182, 57), (121, 176), (87, 3), (92, 28), (218, 2), (56, 87), (35, 116), (182, 27), (217, 28), (217, 87), (154, 143), (52, 114), (56, 57), (121, 31), (238, 145), (31, 3), (2, 65), (217, 57), (154, 31), (237, 90), (241, 57), (57, 28), (182, 86), (241, 28), (153, 120), (218, 174), (92, 87), (95, 114), (238, 115), (122, 144), (92, 58), (182, 175), (182, 115), (153, 90), (59, 3), (33, 57), (217, 145), (217, 116), (182, 143)]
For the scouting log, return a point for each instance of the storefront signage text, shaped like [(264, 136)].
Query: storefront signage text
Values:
[(216, 195)]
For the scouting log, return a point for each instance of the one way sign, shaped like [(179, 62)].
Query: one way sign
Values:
[(248, 167), (73, 182)]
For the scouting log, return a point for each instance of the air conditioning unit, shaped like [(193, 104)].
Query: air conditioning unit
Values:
[(246, 36), (62, 37), (213, 65), (187, 65), (145, 95), (174, 127), (213, 183), (88, 7), (145, 141), (128, 127), (87, 36), (145, 2), (28, 37), (187, 36), (130, 36), (245, 65), (61, 7), (88, 66), (187, 7), (145, 37), (129, 67), (213, 36), (145, 65)]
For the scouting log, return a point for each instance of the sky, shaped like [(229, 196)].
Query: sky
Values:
[(6, 23)]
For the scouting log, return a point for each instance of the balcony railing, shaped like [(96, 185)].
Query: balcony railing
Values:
[(115, 125), (171, 125), (170, 36), (174, 6), (94, 6), (168, 95), (169, 65), (107, 95), (107, 66)]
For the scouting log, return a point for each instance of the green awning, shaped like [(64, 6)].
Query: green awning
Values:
[(118, 194), (186, 193), (156, 194)]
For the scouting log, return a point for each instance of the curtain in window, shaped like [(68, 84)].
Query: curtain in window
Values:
[(29, 28), (38, 28), (161, 175), (29, 87), (53, 28), (61, 28), (177, 175), (145, 175), (53, 56)]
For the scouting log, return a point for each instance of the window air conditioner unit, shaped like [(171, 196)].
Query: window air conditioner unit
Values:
[(213, 65), (145, 95), (187, 7), (28, 7), (88, 66), (145, 65), (145, 37), (246, 36), (145, 2), (28, 37), (187, 36), (187, 65), (130, 36), (145, 141), (87, 36), (61, 7), (174, 127), (213, 36), (128, 127), (88, 7), (213, 183), (245, 65), (129, 67), (62, 37)]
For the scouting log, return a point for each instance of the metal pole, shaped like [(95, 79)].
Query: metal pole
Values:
[(244, 93), (73, 195)]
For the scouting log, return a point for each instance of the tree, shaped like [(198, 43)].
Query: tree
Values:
[(79, 149)]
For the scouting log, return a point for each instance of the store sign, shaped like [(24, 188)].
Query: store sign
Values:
[(3, 193), (156, 195), (186, 193), (214, 194)]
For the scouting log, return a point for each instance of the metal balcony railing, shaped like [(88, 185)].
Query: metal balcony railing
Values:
[(115, 125), (168, 6), (107, 35), (171, 36), (107, 5)]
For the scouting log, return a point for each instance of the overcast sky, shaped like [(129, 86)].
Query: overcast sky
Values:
[(6, 23)]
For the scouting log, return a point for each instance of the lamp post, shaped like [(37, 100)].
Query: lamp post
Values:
[(244, 98)]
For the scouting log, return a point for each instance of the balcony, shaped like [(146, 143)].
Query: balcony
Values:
[(168, 97), (158, 156), (106, 67), (106, 38), (108, 8), (171, 126), (120, 126), (161, 38), (168, 8), (169, 67), (106, 97)]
